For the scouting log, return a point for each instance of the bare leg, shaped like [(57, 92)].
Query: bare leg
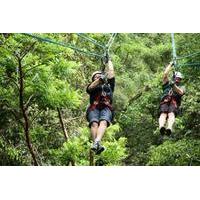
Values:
[(171, 120), (101, 130), (94, 128), (162, 120)]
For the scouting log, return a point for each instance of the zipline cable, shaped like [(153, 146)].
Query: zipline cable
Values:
[(111, 40), (175, 58), (173, 49), (63, 44), (189, 55), (190, 64), (106, 54), (90, 39)]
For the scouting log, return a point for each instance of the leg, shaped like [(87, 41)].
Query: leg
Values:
[(171, 120), (162, 120), (163, 116), (101, 130), (93, 119), (105, 120), (94, 128), (171, 117)]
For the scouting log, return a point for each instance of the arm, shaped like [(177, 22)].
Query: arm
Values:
[(179, 90), (94, 84), (166, 72), (110, 70)]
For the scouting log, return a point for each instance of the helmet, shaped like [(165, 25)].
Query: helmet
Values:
[(94, 73), (178, 75)]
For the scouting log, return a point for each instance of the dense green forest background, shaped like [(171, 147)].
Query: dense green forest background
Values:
[(43, 100)]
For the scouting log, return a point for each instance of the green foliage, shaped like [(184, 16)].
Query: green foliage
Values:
[(182, 152), (10, 156), (77, 149), (56, 77)]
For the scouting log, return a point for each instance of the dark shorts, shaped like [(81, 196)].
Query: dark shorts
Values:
[(168, 107), (97, 115)]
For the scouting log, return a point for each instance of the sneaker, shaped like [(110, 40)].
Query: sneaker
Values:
[(162, 130), (168, 132), (99, 162), (100, 149), (95, 147)]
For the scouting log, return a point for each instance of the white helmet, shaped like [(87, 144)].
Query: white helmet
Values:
[(178, 75), (97, 72)]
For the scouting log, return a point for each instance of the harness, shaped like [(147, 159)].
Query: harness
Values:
[(102, 99), (171, 97)]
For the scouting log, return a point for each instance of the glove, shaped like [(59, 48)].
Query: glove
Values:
[(105, 59), (103, 78), (172, 63), (172, 83)]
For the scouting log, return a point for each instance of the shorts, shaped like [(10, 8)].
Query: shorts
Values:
[(97, 115), (169, 107)]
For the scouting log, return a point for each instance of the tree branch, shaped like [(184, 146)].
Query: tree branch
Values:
[(30, 69), (26, 104), (27, 50), (62, 124), (24, 113)]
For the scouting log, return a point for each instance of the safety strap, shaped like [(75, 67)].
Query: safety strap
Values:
[(106, 55), (173, 49)]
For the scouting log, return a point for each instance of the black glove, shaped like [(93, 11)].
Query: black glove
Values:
[(172, 83), (172, 63), (105, 58), (103, 78)]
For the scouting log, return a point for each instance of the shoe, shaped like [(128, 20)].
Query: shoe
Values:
[(100, 149), (162, 130), (168, 132), (99, 162), (95, 147)]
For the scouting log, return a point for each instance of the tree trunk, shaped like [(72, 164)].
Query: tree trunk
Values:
[(92, 158), (24, 112), (62, 124)]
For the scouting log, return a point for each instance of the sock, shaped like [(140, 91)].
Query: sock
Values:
[(97, 141)]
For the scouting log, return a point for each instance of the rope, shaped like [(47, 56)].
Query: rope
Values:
[(173, 49), (108, 45), (63, 44), (90, 39), (105, 56), (181, 57), (190, 64), (189, 55)]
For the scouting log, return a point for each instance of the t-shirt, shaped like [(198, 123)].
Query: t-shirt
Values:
[(106, 89)]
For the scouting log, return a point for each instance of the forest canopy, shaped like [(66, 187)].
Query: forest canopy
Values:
[(43, 99)]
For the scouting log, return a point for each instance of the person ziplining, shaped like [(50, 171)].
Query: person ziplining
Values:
[(170, 100), (100, 112)]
